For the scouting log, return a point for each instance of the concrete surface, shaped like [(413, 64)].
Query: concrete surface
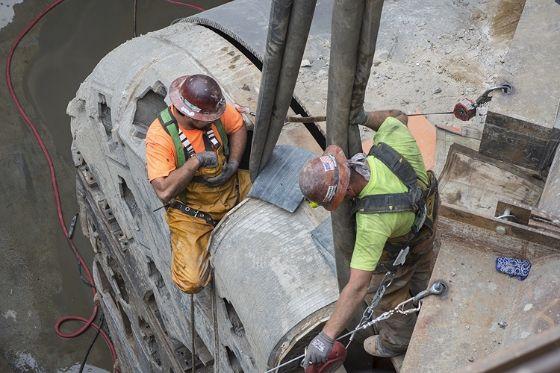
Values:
[(532, 67)]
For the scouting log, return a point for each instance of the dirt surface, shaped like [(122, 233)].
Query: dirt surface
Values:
[(39, 277)]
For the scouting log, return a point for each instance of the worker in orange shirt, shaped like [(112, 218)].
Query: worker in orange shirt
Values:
[(193, 151)]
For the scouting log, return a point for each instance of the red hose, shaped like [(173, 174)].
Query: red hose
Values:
[(89, 322), (187, 5)]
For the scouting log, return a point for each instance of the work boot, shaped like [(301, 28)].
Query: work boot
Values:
[(374, 346)]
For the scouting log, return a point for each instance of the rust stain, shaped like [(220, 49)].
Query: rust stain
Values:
[(464, 70), (506, 19)]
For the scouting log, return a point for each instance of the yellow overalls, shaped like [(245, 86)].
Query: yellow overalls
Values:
[(190, 265)]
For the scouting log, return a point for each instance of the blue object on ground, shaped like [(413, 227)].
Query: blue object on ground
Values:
[(518, 268)]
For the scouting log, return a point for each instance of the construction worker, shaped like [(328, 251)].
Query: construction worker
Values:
[(193, 151), (396, 204)]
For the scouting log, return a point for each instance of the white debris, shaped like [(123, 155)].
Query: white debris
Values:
[(10, 314), (7, 11)]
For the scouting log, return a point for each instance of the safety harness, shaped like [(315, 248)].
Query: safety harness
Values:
[(419, 200), (185, 150), (183, 146)]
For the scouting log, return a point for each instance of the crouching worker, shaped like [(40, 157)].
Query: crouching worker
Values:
[(193, 150), (395, 201)]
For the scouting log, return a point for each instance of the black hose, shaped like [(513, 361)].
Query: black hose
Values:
[(83, 364), (134, 17), (288, 29)]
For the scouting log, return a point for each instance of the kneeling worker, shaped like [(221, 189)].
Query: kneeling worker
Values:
[(193, 150), (394, 197)]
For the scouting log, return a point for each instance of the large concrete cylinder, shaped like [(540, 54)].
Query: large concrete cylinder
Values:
[(271, 273)]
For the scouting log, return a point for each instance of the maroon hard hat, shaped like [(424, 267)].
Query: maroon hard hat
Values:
[(198, 96), (324, 179)]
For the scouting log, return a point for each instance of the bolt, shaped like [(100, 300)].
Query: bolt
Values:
[(500, 229)]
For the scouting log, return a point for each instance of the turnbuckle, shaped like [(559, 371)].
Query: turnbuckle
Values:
[(485, 97)]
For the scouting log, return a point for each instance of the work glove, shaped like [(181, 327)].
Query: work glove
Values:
[(359, 117), (318, 350), (207, 159), (227, 172)]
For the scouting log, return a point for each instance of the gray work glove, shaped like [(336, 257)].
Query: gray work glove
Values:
[(207, 159), (228, 171), (318, 350)]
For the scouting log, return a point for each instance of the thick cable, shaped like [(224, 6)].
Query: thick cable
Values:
[(84, 360), (215, 322), (134, 17), (193, 347)]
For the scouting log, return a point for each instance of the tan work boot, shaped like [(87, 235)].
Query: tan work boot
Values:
[(374, 346)]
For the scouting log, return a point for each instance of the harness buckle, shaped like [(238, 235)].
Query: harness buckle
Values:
[(416, 196), (420, 218)]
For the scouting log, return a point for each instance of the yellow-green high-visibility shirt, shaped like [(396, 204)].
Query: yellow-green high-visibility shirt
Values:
[(373, 230)]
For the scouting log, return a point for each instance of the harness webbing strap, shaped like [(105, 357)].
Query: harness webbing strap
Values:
[(186, 144), (212, 137), (396, 163), (173, 131), (169, 123), (181, 141), (395, 202), (398, 202), (166, 117), (223, 136)]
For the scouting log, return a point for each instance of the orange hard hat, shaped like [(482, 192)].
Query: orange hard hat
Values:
[(198, 96), (324, 179)]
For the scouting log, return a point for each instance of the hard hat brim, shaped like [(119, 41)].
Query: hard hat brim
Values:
[(177, 101)]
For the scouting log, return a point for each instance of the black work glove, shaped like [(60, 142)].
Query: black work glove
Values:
[(318, 350), (228, 171), (359, 117), (207, 159)]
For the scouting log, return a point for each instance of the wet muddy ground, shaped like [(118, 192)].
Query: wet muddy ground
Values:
[(38, 275)]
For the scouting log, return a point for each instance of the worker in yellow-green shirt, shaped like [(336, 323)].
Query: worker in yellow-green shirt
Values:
[(395, 201)]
